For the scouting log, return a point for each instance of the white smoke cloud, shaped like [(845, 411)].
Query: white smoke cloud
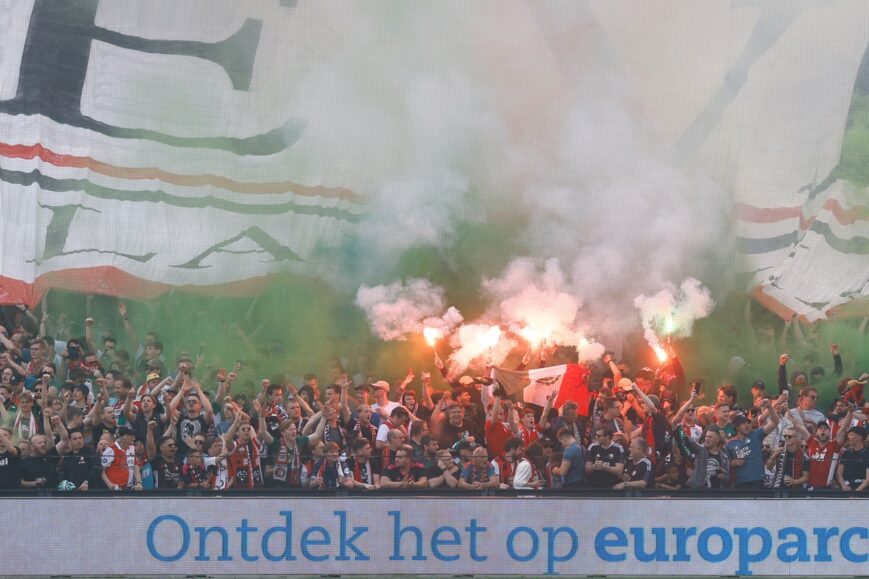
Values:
[(672, 312), (402, 308), (533, 301), (479, 345), (438, 116)]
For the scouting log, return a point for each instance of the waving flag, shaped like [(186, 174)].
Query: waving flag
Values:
[(565, 382)]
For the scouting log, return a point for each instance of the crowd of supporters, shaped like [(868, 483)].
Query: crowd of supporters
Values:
[(76, 415)]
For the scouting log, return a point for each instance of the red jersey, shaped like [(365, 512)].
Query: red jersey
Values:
[(496, 437), (822, 462), (506, 470), (528, 436), (119, 465)]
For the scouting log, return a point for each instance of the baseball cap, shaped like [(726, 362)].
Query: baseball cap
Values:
[(740, 419), (759, 384), (152, 376), (858, 430), (125, 430), (380, 385)]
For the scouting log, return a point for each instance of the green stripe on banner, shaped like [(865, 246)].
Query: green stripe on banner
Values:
[(47, 183)]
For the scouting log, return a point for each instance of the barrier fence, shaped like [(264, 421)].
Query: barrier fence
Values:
[(429, 534)]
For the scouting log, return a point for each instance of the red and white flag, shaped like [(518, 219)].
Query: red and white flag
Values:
[(565, 382)]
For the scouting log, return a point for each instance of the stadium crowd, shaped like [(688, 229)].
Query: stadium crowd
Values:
[(78, 415)]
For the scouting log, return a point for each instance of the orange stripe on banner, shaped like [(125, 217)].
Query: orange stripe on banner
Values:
[(152, 173), (771, 304), (856, 308), (111, 281)]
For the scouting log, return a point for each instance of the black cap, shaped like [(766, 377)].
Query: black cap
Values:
[(858, 430), (125, 430), (739, 420), (759, 384)]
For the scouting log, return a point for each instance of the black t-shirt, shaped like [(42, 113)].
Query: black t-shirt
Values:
[(188, 428), (449, 434), (10, 470), (640, 471), (394, 473), (140, 424), (854, 465), (35, 467), (610, 457), (167, 474), (363, 472), (77, 467)]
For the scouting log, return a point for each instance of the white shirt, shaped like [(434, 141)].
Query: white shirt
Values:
[(522, 475)]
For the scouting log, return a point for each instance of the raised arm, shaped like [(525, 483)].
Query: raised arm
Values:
[(774, 418), (783, 373), (405, 383), (128, 407), (426, 401), (677, 418), (346, 415), (89, 334), (206, 403), (150, 446), (58, 427), (838, 367), (544, 417), (799, 425), (128, 325), (262, 431), (312, 423), (647, 403), (842, 433), (318, 432)]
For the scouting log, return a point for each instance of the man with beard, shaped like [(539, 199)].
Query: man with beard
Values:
[(196, 416), (788, 463), (824, 455), (167, 465), (290, 452)]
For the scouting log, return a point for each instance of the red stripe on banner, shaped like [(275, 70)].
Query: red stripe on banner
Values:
[(574, 386), (844, 216), (15, 291), (152, 173), (111, 281), (765, 214)]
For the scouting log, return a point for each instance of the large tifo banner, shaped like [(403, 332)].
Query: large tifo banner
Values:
[(515, 536), (204, 144)]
